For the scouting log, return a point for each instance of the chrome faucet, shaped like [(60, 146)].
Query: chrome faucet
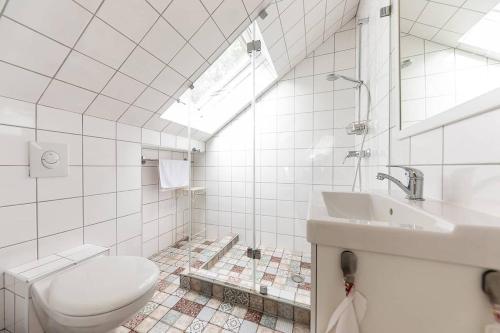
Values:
[(415, 188)]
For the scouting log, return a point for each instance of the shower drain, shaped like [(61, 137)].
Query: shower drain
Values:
[(297, 278)]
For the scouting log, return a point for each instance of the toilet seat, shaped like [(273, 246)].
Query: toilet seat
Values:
[(100, 293)]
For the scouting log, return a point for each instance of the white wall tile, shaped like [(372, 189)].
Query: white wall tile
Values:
[(17, 113), (105, 44), (99, 180), (58, 120), (17, 187), (463, 144), (128, 153), (28, 49), (59, 215), (99, 127), (61, 187), (14, 149), (132, 247), (85, 72), (98, 208), (98, 151), (128, 227), (21, 84), (19, 254), (133, 20), (472, 186), (103, 234), (20, 221), (420, 153), (128, 133), (128, 178), (59, 242), (62, 20), (128, 202)]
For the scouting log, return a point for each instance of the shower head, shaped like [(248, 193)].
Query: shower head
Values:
[(334, 77)]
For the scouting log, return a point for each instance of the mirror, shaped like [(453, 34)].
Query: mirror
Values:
[(449, 55)]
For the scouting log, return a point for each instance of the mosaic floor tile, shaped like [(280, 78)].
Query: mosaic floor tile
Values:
[(233, 324), (253, 316), (183, 322), (159, 312), (206, 314), (134, 321), (159, 328), (274, 269), (171, 301), (284, 325), (171, 317), (268, 321), (219, 318), (174, 310), (145, 325), (188, 307), (248, 327), (197, 326), (226, 307)]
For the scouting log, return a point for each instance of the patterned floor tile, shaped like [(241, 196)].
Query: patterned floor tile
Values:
[(253, 316), (268, 321), (233, 324), (173, 309), (188, 307), (159, 312), (248, 327), (219, 318), (197, 326), (284, 325), (183, 322), (226, 307), (171, 317), (145, 325), (206, 314)]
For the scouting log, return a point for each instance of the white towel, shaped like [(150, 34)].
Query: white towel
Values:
[(173, 173), (349, 314)]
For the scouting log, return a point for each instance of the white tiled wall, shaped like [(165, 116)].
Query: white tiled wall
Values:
[(441, 77), (47, 215), (301, 142), (164, 213), (99, 202), (460, 160)]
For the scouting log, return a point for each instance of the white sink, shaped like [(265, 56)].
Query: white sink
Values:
[(421, 229)]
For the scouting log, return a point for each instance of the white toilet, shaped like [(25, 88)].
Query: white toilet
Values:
[(95, 296)]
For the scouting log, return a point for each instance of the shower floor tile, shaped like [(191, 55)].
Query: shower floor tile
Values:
[(174, 309), (275, 270)]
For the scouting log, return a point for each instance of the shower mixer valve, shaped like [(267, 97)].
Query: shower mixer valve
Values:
[(357, 128)]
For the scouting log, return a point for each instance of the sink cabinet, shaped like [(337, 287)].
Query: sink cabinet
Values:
[(405, 295)]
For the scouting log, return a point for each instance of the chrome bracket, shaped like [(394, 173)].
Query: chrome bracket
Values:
[(385, 11), (253, 253), (254, 45)]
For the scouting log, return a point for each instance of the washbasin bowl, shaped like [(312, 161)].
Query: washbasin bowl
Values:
[(381, 223)]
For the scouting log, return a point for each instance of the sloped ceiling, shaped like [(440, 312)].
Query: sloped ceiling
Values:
[(442, 23), (128, 60), (294, 28)]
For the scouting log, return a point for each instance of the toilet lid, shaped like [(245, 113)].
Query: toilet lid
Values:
[(101, 285)]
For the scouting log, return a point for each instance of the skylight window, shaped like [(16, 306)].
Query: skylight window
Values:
[(225, 88), (483, 36)]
